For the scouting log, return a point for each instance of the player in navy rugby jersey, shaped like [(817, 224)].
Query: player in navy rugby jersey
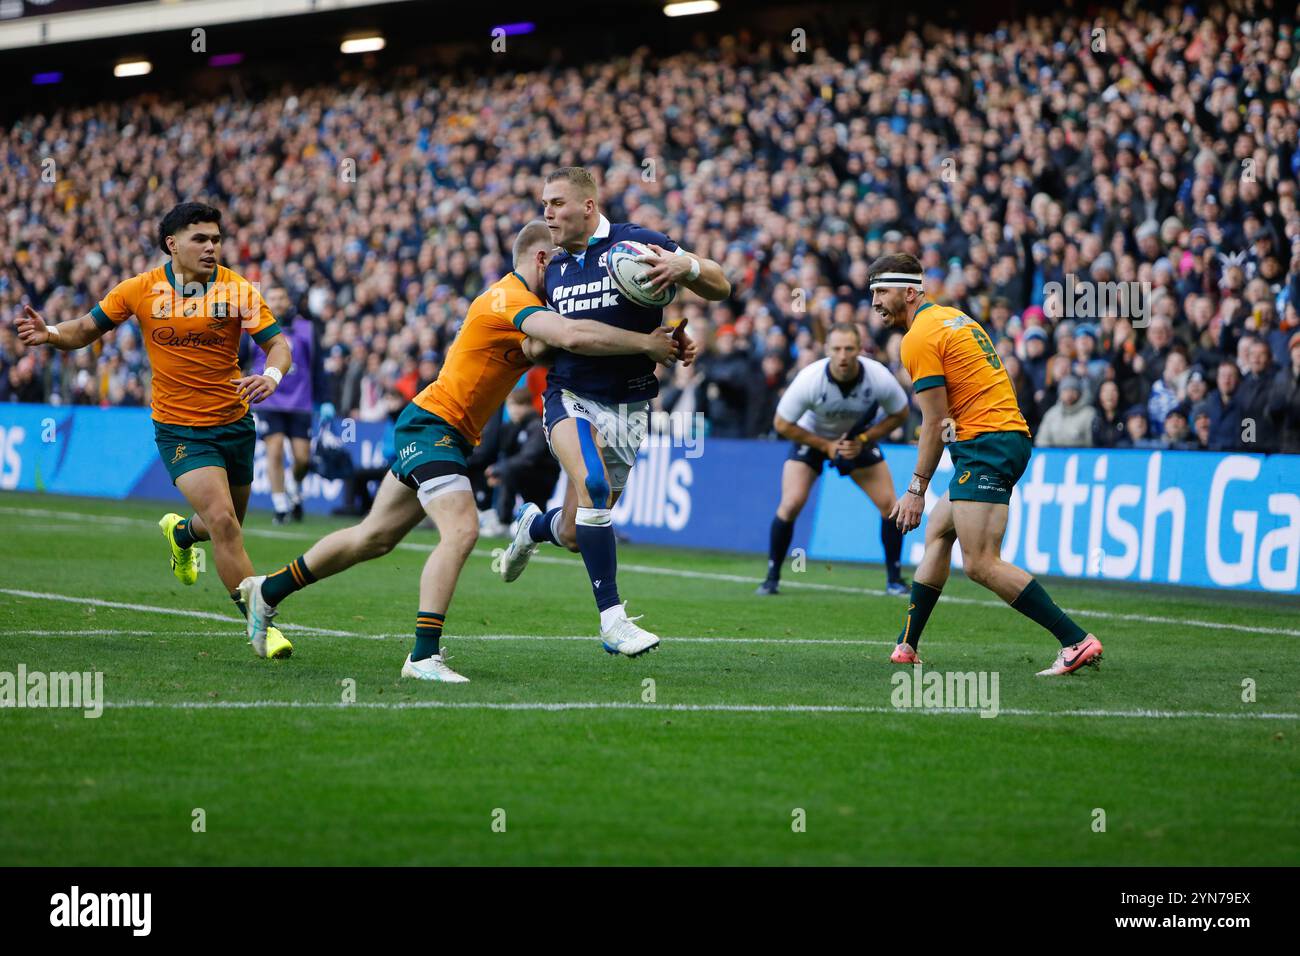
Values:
[(597, 409)]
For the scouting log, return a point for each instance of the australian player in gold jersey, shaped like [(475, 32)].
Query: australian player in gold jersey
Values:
[(192, 311), (960, 382), (507, 327)]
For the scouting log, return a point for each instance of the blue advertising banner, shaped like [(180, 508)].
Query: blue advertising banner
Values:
[(110, 452), (1190, 518)]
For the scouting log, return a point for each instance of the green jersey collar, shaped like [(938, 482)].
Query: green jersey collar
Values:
[(175, 283)]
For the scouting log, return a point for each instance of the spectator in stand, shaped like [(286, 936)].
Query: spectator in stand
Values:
[(408, 383), (1167, 391), (1202, 426), (1160, 339), (1227, 410), (371, 405), (1088, 365), (1058, 369), (1108, 424), (1035, 360), (1256, 386), (1127, 366), (773, 384), (1266, 328), (1136, 434), (1196, 389), (1068, 423), (1284, 401), (1176, 434), (729, 381), (430, 366)]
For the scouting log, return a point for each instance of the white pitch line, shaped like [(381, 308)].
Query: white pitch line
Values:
[(112, 632), (115, 632), (75, 516), (85, 516), (717, 576), (449, 638), (559, 706), (949, 599), (848, 642), (149, 608)]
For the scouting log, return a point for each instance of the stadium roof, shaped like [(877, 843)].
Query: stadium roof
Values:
[(28, 23)]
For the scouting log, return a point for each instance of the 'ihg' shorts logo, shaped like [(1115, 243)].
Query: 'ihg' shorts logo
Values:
[(408, 451)]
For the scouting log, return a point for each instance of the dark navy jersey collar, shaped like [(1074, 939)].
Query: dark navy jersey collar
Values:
[(846, 388)]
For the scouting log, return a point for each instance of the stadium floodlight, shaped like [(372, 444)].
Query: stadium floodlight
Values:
[(363, 44), (133, 68), (690, 8)]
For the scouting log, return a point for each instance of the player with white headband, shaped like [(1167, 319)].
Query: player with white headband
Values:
[(960, 381)]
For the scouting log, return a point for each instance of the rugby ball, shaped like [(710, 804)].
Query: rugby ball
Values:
[(629, 275)]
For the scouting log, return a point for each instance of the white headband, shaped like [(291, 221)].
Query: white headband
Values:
[(896, 280)]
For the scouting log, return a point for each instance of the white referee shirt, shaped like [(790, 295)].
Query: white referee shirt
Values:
[(817, 403)]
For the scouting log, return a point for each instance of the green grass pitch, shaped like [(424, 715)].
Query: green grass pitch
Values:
[(771, 738)]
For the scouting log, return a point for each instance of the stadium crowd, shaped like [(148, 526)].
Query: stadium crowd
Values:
[(1160, 148)]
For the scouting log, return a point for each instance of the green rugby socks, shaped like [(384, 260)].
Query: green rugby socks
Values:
[(1035, 604), (182, 535), (294, 576), (428, 633), (919, 607)]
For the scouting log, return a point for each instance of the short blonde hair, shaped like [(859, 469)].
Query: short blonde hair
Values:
[(579, 177)]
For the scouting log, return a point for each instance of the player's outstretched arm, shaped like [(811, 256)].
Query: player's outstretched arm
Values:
[(66, 336), (908, 509), (586, 337)]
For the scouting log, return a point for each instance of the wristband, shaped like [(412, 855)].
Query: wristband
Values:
[(53, 332), (916, 487), (274, 374), (695, 267)]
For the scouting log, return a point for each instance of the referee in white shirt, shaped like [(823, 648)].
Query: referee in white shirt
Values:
[(836, 410)]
